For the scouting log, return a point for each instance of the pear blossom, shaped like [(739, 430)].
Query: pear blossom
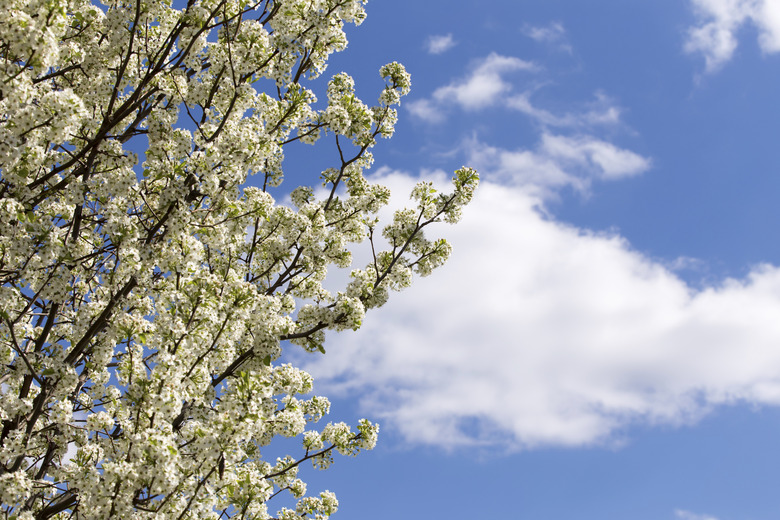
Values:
[(153, 273)]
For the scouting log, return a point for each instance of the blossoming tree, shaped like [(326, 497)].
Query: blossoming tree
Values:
[(144, 303)]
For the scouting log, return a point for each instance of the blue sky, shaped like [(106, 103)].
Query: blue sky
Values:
[(605, 341)]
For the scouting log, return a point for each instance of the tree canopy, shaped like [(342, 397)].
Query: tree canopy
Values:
[(145, 302)]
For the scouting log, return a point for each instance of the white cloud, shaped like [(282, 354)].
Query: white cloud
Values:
[(426, 110), (557, 161), (440, 43), (769, 24), (549, 33), (613, 162), (485, 86), (532, 169), (539, 333), (553, 33), (687, 515), (601, 112), (715, 35), (522, 103)]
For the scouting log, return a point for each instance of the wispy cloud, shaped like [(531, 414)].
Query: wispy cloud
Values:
[(539, 333), (489, 84), (687, 515), (557, 161), (554, 33), (439, 44), (426, 110), (612, 162), (485, 86), (715, 34), (602, 111)]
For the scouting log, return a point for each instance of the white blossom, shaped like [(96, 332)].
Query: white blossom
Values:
[(145, 303)]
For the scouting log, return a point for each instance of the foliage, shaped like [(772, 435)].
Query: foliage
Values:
[(144, 305)]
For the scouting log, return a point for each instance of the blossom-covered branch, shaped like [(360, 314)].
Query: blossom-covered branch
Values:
[(145, 303)]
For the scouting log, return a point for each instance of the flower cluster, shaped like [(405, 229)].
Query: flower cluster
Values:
[(145, 305)]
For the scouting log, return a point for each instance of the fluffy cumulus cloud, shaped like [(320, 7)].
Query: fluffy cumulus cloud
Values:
[(715, 35), (439, 44), (539, 333)]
